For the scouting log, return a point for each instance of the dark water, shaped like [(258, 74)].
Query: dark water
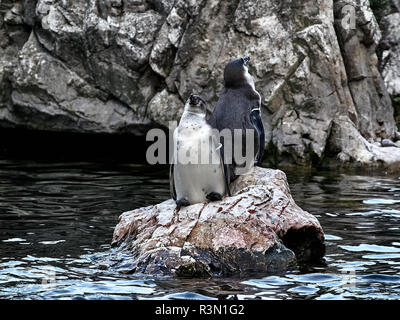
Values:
[(57, 220)]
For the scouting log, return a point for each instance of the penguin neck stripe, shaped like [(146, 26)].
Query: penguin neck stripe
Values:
[(199, 114)]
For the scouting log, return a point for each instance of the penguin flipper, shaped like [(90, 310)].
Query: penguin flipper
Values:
[(172, 182), (255, 118), (225, 170), (227, 175)]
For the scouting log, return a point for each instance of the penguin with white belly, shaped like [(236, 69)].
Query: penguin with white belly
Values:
[(197, 173)]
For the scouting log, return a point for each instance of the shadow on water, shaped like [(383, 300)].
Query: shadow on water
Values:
[(57, 218)]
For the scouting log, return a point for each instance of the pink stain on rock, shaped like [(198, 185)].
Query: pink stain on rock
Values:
[(230, 238)]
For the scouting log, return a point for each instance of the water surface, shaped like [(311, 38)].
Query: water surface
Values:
[(57, 220)]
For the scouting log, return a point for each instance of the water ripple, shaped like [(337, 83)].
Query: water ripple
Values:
[(381, 201), (57, 220), (370, 248)]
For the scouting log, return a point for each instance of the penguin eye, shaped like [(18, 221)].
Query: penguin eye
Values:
[(245, 60), (193, 99)]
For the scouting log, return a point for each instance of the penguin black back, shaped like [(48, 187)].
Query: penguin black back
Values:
[(239, 108)]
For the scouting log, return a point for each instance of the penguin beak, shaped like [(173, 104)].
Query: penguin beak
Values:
[(195, 100), (246, 60), (198, 103)]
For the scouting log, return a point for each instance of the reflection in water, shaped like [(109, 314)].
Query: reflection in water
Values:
[(57, 219)]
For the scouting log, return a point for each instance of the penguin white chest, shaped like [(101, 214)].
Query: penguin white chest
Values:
[(198, 168)]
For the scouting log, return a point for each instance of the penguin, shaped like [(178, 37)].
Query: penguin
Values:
[(239, 108), (197, 173)]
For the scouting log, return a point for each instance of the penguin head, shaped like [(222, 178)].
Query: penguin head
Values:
[(196, 104), (245, 60), (236, 73)]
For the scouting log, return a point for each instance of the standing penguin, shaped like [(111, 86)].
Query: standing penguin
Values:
[(197, 173), (239, 108)]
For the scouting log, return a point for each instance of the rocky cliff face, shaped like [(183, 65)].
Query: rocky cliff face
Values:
[(127, 65), (389, 53)]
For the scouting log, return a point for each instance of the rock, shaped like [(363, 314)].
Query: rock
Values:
[(369, 95), (60, 99), (259, 229), (138, 61), (165, 107), (391, 56), (355, 149), (388, 143), (15, 15)]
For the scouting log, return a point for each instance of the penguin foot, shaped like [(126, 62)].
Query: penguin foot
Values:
[(214, 196), (181, 203)]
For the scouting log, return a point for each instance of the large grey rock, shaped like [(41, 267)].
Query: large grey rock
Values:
[(391, 56), (371, 100), (259, 229), (165, 107), (129, 65), (353, 148), (45, 89)]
